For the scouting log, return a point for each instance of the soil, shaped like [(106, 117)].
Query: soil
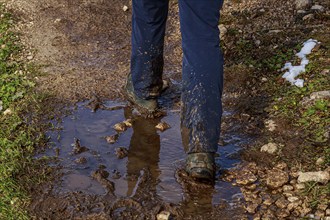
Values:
[(83, 44)]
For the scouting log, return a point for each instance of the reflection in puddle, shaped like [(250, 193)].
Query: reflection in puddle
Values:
[(149, 150)]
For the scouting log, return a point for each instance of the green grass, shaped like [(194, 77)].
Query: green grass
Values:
[(19, 130)]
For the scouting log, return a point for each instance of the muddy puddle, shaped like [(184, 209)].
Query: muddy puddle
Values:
[(144, 163)]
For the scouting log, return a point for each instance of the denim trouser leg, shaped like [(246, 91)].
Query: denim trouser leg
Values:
[(202, 75), (202, 71), (148, 31)]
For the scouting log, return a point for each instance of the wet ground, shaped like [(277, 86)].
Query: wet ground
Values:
[(143, 168)]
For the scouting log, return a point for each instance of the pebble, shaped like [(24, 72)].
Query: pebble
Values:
[(270, 148), (7, 112), (320, 177), (164, 215), (293, 199), (251, 208), (287, 188), (223, 30), (320, 161), (246, 179), (120, 127), (300, 186), (128, 122), (30, 57), (302, 4), (162, 126), (121, 152), (308, 17), (112, 138), (125, 8), (276, 178), (282, 203), (318, 8)]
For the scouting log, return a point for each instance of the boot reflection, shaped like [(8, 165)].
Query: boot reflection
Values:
[(198, 202), (143, 153)]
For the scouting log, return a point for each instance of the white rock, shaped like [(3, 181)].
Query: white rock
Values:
[(318, 8), (320, 177), (223, 30), (320, 94), (1, 107), (125, 8), (163, 215), (320, 161), (270, 125), (269, 148), (7, 112), (301, 4)]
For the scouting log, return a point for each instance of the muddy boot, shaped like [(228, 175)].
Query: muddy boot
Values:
[(144, 105), (201, 166)]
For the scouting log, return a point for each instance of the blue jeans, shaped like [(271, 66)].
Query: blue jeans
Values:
[(202, 67)]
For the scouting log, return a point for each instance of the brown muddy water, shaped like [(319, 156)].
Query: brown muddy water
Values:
[(150, 172)]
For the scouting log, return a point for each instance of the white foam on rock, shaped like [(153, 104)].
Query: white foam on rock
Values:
[(294, 71)]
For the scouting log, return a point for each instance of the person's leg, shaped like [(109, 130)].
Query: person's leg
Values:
[(202, 79), (148, 30)]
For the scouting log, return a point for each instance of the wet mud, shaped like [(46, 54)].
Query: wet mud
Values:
[(136, 175)]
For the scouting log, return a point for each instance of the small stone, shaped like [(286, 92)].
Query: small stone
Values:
[(57, 20), (121, 152), (301, 12), (327, 212), (288, 194), (322, 207), (300, 186), (276, 178), (318, 8), (77, 148), (320, 94), (251, 208), (125, 8), (293, 199), (7, 112), (3, 46), (30, 57), (282, 203), (281, 166), (264, 79), (223, 30), (120, 127), (251, 187), (287, 188), (302, 4), (319, 213), (320, 177), (308, 17), (128, 122), (246, 179), (270, 148), (270, 125), (81, 160), (162, 126), (112, 138), (164, 215), (268, 201), (282, 213), (320, 161)]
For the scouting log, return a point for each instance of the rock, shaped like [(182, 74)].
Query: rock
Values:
[(1, 105), (77, 148), (282, 213), (246, 179), (294, 205), (268, 201), (276, 178), (125, 8), (7, 112), (318, 8), (112, 138), (322, 207), (128, 122), (120, 127), (162, 126), (293, 199), (287, 188), (304, 210), (327, 212), (81, 160), (320, 94), (302, 4), (270, 148), (300, 186), (308, 17), (251, 208), (325, 72), (282, 203), (281, 166), (320, 177), (320, 214), (121, 152), (30, 57), (270, 125), (223, 31), (320, 161), (164, 215)]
